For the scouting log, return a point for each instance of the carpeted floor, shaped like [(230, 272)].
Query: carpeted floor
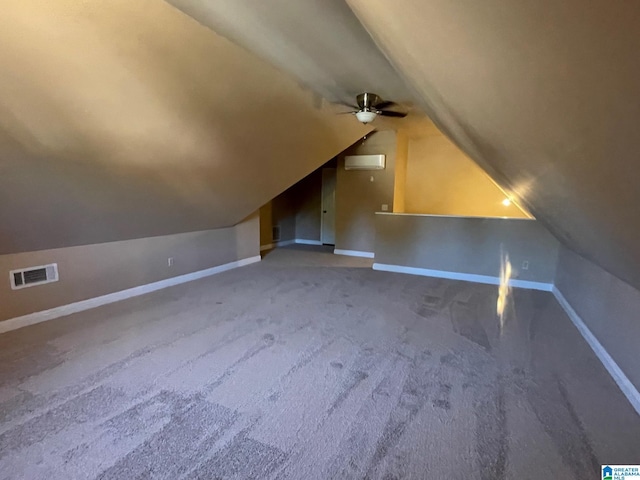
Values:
[(311, 366)]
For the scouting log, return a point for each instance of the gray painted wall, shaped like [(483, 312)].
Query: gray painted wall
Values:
[(92, 270), (358, 198), (265, 224), (607, 305), (283, 214), (296, 211), (308, 205), (466, 245)]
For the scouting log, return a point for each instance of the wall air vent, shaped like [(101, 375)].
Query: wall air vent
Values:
[(32, 276), (275, 233)]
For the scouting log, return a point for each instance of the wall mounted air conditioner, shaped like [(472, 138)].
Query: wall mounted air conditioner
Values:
[(364, 162)]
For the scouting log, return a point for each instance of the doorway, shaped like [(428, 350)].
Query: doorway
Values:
[(328, 212)]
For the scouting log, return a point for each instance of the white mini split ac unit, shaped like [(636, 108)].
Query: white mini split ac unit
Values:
[(364, 162)]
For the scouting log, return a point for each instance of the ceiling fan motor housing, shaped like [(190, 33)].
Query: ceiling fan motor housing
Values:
[(367, 101)]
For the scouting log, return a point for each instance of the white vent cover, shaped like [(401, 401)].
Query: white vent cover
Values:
[(364, 162), (32, 276)]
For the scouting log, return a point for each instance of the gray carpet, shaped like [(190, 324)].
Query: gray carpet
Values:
[(311, 366)]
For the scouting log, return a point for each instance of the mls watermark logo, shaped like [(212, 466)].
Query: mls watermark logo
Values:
[(607, 473), (620, 472)]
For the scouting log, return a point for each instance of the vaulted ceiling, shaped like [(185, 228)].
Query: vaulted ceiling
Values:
[(125, 119), (189, 114), (544, 95)]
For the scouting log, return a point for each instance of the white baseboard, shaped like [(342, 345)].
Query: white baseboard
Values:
[(283, 243), (304, 241), (354, 253), (629, 390), (466, 277), (37, 317)]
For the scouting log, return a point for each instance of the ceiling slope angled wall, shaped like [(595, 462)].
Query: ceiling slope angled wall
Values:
[(320, 42), (544, 95), (129, 119)]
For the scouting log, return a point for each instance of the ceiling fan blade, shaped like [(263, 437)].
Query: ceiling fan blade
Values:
[(387, 113), (347, 113), (382, 105)]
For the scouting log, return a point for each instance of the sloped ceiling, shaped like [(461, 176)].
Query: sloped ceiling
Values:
[(112, 107), (320, 42), (126, 119), (545, 95)]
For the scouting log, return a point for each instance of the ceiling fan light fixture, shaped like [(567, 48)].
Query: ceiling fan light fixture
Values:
[(366, 116)]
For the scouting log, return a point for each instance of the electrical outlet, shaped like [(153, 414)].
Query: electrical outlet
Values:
[(385, 207), (170, 262), (525, 265)]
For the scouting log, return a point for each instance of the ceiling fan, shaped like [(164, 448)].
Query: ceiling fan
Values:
[(370, 106)]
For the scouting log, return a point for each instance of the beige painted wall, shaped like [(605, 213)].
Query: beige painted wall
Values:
[(92, 270), (358, 198), (400, 181), (466, 245), (442, 180)]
